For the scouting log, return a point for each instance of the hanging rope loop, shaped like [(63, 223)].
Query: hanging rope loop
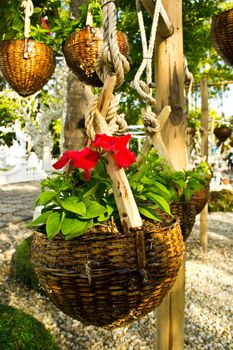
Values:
[(110, 58), (28, 11), (137, 83)]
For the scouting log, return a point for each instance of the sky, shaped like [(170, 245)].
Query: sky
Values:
[(224, 105)]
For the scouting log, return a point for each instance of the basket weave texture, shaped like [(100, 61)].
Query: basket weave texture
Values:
[(186, 212), (200, 198), (97, 278), (81, 50), (26, 76), (222, 35)]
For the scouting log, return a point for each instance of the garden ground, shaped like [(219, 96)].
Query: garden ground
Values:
[(209, 280)]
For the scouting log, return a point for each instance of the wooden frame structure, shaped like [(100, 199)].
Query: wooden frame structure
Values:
[(169, 77)]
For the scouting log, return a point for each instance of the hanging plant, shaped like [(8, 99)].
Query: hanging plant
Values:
[(82, 48), (85, 260), (155, 183), (26, 64), (222, 132), (222, 35)]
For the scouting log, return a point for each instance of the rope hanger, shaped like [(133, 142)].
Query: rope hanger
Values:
[(28, 11), (153, 124)]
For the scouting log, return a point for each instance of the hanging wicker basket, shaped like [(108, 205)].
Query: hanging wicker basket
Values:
[(222, 133), (26, 75), (222, 35), (99, 278), (200, 198), (81, 50), (185, 212)]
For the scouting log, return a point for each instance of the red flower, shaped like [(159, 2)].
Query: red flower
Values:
[(85, 159), (118, 145)]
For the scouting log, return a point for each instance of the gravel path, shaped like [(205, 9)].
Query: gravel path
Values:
[(209, 298)]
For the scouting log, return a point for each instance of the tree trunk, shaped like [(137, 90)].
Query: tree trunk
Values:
[(78, 96)]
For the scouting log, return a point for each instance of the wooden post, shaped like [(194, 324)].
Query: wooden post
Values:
[(169, 76), (204, 156)]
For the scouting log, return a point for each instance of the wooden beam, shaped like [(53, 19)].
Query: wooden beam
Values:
[(169, 76), (165, 27)]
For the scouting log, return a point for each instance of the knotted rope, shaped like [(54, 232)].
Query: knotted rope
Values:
[(110, 58), (28, 11), (151, 123), (144, 89), (116, 123)]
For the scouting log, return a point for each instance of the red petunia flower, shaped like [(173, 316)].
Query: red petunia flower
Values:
[(118, 145), (85, 159)]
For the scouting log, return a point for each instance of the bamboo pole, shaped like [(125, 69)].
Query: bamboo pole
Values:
[(204, 156), (169, 75)]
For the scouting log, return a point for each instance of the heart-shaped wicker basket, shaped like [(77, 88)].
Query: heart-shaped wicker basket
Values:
[(26, 75), (81, 50), (222, 133), (99, 278), (222, 35)]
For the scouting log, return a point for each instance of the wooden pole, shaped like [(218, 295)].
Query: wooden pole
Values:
[(204, 156), (169, 76), (165, 27)]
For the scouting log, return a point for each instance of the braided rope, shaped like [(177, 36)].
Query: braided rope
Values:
[(110, 58), (151, 123), (116, 123), (28, 11), (140, 86)]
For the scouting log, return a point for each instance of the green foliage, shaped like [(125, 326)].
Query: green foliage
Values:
[(19, 331), (194, 119), (71, 205), (8, 113), (221, 201), (155, 185), (22, 267)]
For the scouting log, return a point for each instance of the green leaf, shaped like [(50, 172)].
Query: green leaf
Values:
[(94, 210), (160, 201), (37, 10), (149, 213), (91, 192), (74, 205), (40, 219), (140, 196), (70, 224), (72, 227), (53, 224), (46, 197), (17, 23), (162, 189)]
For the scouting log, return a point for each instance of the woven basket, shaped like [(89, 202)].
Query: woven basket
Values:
[(81, 50), (222, 133), (186, 213), (200, 198), (222, 35), (99, 278), (26, 75)]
